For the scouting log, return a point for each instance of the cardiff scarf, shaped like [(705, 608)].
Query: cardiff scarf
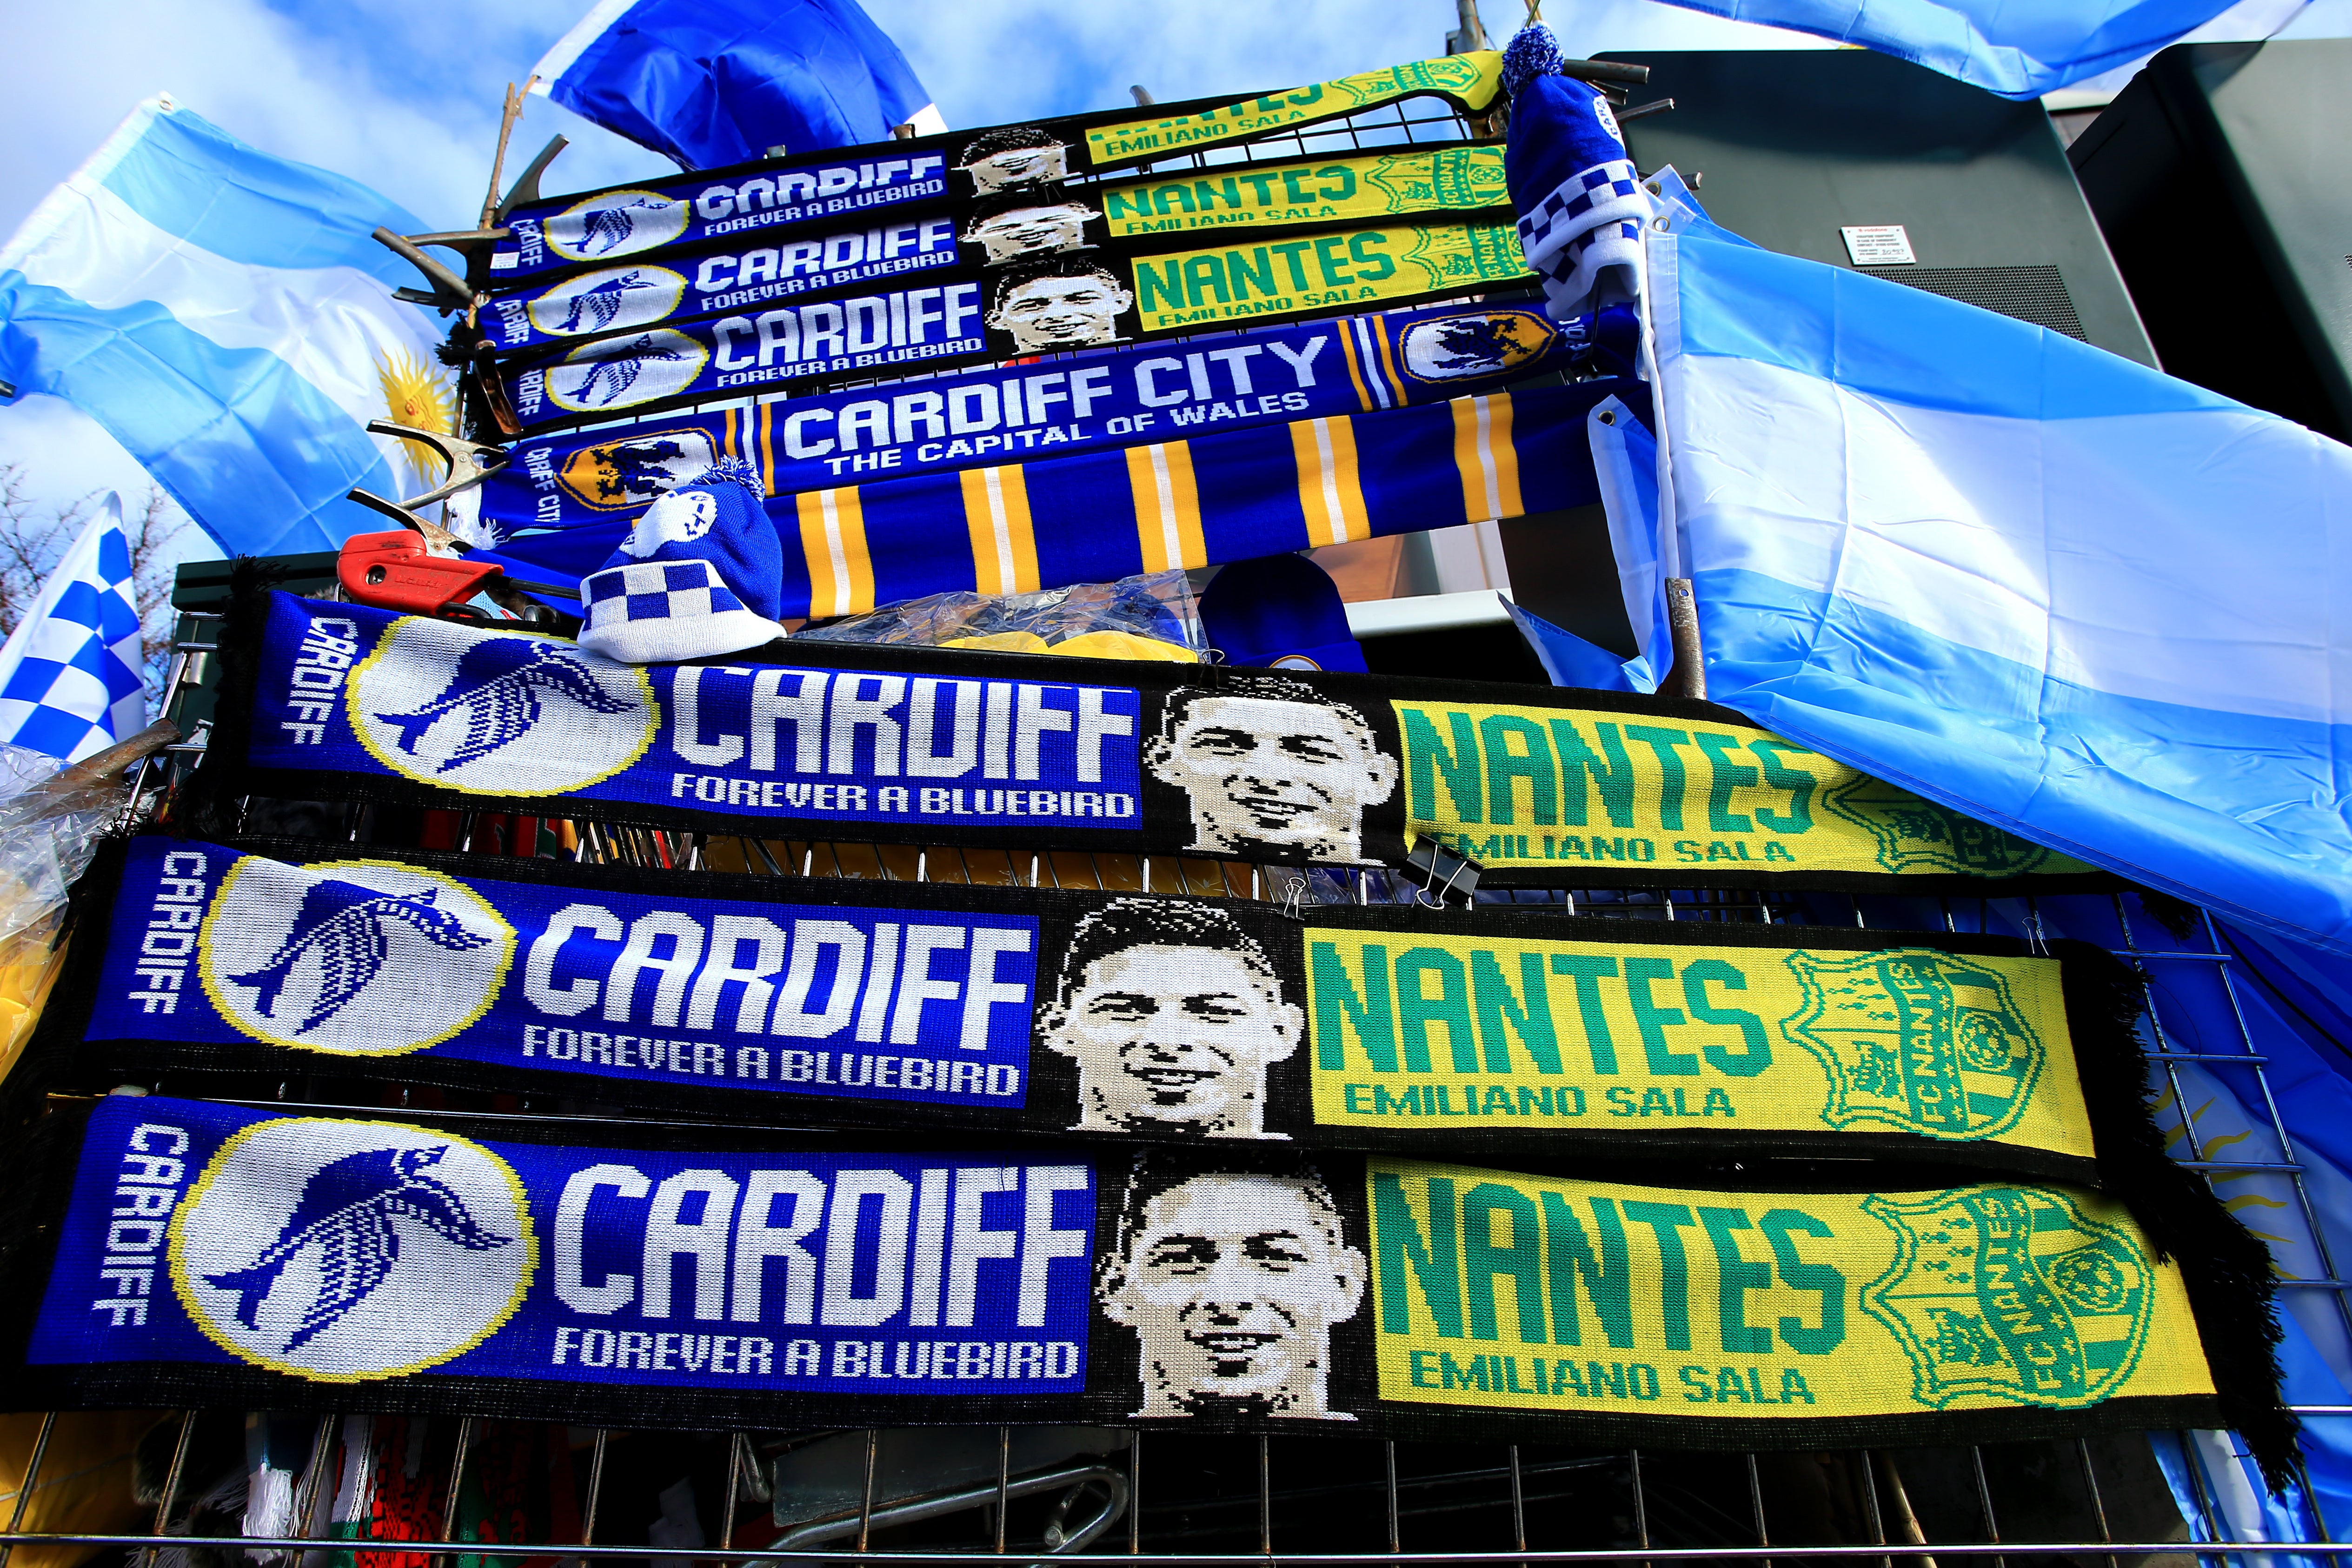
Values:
[(1543, 787), (204, 1253), (1148, 1018), (1157, 504), (955, 250), (989, 418)]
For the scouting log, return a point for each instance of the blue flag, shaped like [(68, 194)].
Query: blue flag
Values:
[(225, 316), (710, 82), (2043, 585), (2015, 50), (69, 681)]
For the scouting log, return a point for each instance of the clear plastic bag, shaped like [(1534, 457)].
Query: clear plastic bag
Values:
[(46, 838), (47, 835), (1151, 617)]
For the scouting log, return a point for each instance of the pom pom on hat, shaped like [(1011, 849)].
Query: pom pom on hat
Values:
[(702, 574), (1580, 203), (1533, 51)]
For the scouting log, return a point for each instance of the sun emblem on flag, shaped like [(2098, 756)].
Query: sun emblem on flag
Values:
[(423, 397)]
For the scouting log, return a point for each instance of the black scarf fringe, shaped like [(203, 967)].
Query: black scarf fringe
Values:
[(207, 807), (2232, 1284)]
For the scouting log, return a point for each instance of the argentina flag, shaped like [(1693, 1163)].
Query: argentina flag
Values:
[(2046, 586), (225, 315), (2017, 50)]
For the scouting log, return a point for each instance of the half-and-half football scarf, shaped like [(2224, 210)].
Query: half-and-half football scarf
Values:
[(191, 1253), (1501, 1031), (1542, 786)]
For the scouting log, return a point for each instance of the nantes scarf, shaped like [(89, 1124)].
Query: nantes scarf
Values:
[(1153, 1018), (889, 182), (1543, 787), (204, 1253)]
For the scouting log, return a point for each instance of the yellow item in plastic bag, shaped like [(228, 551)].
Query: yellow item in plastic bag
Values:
[(1122, 644), (1002, 642), (29, 967)]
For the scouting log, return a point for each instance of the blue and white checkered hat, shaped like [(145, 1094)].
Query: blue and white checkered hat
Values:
[(1580, 203), (69, 677), (702, 574)]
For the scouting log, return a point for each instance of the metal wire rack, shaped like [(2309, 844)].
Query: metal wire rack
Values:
[(940, 1494)]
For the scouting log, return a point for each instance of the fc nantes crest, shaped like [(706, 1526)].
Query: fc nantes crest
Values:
[(1919, 1041), (2013, 1295), (1916, 835)]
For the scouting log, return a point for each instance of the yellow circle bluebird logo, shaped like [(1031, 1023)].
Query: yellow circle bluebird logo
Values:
[(498, 714), (615, 222), (348, 1251), (612, 301), (352, 957)]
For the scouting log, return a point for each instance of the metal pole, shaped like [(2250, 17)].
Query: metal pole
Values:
[(1688, 676)]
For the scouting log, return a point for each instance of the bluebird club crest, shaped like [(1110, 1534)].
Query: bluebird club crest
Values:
[(359, 958), (615, 222), (2011, 1295), (612, 301), (637, 468), (621, 372), (498, 714), (343, 1250)]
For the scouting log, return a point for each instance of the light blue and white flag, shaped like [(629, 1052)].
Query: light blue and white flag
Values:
[(69, 680), (710, 82), (2017, 50), (1625, 465), (223, 314), (2064, 593)]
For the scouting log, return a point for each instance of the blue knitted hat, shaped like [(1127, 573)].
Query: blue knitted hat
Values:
[(702, 574), (1281, 612), (1580, 203)]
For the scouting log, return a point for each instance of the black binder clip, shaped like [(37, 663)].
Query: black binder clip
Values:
[(1434, 868)]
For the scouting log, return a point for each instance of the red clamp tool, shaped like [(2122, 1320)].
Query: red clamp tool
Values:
[(398, 571), (421, 567)]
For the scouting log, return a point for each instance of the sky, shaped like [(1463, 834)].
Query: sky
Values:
[(404, 95)]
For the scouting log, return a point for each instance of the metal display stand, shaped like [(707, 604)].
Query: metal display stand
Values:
[(1170, 1499)]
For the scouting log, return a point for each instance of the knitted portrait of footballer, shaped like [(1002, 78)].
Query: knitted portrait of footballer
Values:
[(1173, 1013), (1232, 1282), (1272, 764)]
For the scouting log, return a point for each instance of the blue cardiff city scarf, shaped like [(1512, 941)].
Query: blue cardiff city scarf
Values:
[(180, 1252), (1541, 786), (1122, 1018)]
